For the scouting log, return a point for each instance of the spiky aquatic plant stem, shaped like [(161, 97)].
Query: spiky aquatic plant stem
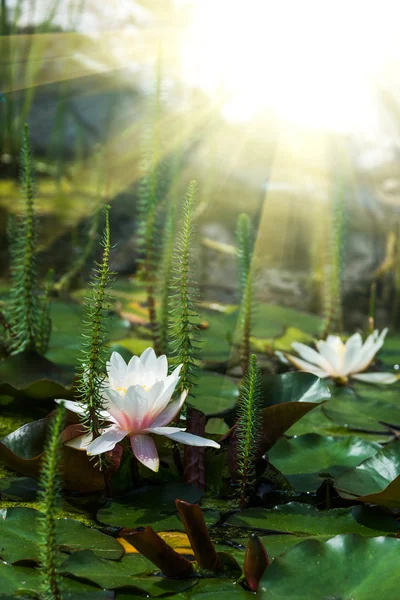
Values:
[(245, 244), (23, 307), (185, 317), (93, 352), (249, 425), (166, 269), (45, 320), (48, 496)]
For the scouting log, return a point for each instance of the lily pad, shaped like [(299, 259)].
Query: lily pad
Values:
[(22, 451), (317, 422), (34, 376), (66, 335), (153, 505), (376, 480), (306, 520), (294, 387), (308, 459), (346, 566), (19, 581), (20, 538), (130, 572), (214, 393)]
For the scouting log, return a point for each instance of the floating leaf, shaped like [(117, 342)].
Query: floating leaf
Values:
[(346, 566), (294, 387), (306, 520), (20, 538), (160, 554), (22, 451), (28, 374), (309, 459), (152, 505), (130, 572), (16, 580), (214, 393), (376, 480)]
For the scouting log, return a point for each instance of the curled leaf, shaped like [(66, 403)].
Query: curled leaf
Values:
[(255, 562), (197, 532), (155, 549)]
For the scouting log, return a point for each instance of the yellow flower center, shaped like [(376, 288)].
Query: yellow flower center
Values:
[(122, 389)]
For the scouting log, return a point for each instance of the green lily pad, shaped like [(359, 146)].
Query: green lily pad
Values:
[(214, 393), (282, 343), (268, 317), (346, 566), (317, 422), (20, 538), (66, 335), (306, 520), (307, 460), (294, 387), (376, 480), (365, 408), (153, 505), (19, 581), (34, 376), (130, 572)]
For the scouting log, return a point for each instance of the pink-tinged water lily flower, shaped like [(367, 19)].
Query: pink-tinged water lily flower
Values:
[(137, 403), (340, 361)]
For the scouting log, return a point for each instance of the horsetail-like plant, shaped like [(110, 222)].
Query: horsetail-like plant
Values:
[(185, 317), (249, 426), (45, 320), (166, 269), (245, 245), (149, 200), (23, 308), (49, 492), (93, 351), (166, 263), (333, 318), (27, 312)]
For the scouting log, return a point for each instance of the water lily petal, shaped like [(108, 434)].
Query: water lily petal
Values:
[(138, 404), (81, 442), (188, 439), (385, 378), (106, 441), (164, 398), (312, 356), (164, 430), (145, 450), (116, 370), (76, 407), (352, 352), (135, 373), (372, 345), (169, 413), (302, 365), (161, 370), (332, 349), (149, 359)]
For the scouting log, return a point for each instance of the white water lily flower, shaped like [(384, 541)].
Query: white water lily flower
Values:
[(138, 403), (340, 361)]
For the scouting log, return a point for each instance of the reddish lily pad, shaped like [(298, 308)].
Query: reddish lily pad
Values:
[(22, 451)]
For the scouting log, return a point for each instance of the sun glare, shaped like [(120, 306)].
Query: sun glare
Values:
[(312, 62)]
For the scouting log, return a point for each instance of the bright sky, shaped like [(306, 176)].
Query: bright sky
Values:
[(312, 61)]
